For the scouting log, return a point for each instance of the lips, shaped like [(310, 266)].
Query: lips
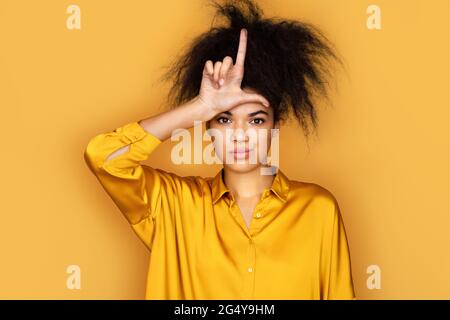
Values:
[(241, 150), (242, 153)]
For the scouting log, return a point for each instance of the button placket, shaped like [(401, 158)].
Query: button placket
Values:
[(255, 224), (249, 283)]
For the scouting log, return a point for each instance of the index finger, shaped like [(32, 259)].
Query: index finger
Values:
[(240, 58)]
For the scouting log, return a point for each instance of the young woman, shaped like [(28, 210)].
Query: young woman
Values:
[(242, 234)]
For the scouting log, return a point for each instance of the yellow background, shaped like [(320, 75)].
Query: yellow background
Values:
[(383, 150)]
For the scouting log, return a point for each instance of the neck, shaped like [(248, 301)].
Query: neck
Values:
[(247, 184)]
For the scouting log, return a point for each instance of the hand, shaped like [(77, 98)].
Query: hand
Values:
[(220, 88)]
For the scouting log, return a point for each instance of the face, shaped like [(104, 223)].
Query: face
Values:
[(242, 136)]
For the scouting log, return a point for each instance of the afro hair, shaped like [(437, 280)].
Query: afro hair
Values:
[(287, 61)]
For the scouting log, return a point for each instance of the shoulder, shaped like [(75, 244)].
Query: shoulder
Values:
[(174, 180), (314, 198), (311, 191)]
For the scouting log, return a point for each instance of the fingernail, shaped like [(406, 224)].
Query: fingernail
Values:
[(221, 81)]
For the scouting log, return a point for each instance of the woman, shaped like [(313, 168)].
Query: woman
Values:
[(243, 234)]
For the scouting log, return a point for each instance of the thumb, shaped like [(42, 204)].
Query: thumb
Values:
[(254, 97)]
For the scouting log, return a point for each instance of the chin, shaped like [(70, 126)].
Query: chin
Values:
[(241, 168)]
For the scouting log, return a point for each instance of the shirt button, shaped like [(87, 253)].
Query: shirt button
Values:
[(258, 215), (250, 269)]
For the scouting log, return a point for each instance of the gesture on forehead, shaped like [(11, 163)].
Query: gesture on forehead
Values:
[(220, 89)]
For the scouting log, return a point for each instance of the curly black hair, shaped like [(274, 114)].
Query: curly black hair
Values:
[(287, 61)]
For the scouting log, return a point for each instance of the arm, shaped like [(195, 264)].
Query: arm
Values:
[(161, 126), (339, 284), (114, 158)]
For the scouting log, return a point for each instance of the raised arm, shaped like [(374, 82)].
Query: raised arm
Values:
[(115, 159)]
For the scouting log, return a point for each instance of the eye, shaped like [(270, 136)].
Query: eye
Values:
[(259, 121), (219, 120)]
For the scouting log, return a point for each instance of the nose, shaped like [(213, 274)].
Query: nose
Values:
[(239, 135)]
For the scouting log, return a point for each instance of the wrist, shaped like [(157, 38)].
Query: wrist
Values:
[(200, 109)]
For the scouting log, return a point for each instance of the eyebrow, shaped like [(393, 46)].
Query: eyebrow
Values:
[(250, 114)]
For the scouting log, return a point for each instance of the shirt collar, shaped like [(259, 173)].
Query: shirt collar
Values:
[(280, 186)]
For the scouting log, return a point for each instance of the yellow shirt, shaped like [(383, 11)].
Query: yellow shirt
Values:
[(201, 248)]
